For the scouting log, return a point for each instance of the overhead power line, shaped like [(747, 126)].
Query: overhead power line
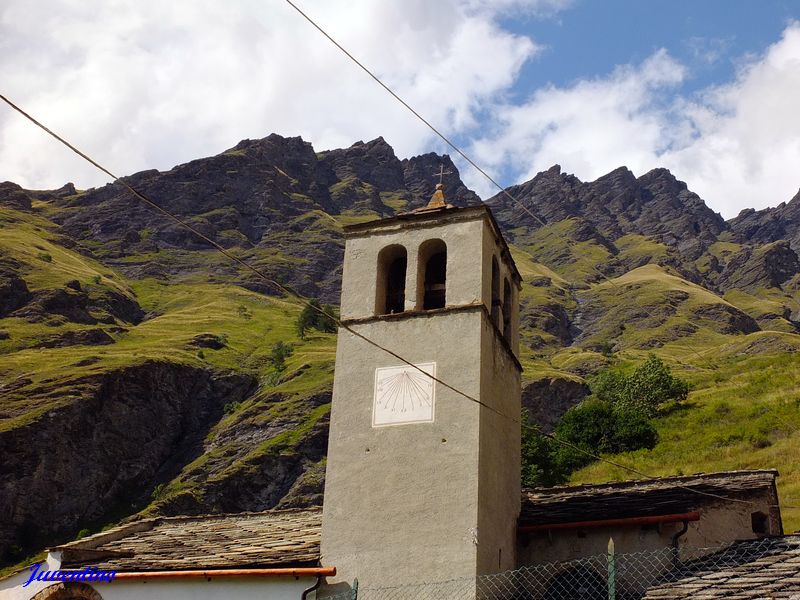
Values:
[(284, 289), (450, 143)]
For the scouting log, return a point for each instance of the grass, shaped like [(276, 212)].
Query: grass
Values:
[(555, 246), (648, 304), (33, 241)]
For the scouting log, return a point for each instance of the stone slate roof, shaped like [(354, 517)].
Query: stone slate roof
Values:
[(665, 495), (286, 538), (769, 568)]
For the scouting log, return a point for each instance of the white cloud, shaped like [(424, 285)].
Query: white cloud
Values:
[(589, 128), (148, 84), (737, 145), (746, 146)]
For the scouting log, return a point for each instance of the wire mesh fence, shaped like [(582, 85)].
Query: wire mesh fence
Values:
[(766, 569)]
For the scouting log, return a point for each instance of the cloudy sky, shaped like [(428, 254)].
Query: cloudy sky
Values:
[(709, 89)]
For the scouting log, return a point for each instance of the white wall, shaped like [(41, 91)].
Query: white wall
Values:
[(227, 588)]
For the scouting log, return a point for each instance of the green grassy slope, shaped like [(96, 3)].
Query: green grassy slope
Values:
[(742, 413)]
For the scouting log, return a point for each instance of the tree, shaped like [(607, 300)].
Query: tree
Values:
[(311, 317), (280, 352), (609, 385), (649, 386), (653, 384)]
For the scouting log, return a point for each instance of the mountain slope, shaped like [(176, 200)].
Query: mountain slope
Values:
[(138, 337)]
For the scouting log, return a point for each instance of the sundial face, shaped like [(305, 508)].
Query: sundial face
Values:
[(403, 395)]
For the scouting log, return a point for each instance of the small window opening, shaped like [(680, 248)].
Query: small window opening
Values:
[(760, 523), (495, 292), (391, 294), (435, 281), (507, 304)]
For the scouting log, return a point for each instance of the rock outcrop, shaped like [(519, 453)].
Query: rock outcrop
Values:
[(105, 451)]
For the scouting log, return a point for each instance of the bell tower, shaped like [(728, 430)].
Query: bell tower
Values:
[(422, 483)]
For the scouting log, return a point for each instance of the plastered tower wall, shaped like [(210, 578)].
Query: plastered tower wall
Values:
[(425, 501)]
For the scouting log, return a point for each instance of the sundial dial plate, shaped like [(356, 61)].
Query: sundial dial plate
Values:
[(403, 395)]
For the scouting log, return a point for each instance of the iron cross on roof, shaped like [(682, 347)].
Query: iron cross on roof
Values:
[(442, 172)]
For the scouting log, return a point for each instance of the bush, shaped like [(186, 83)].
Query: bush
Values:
[(312, 318), (539, 467), (600, 427)]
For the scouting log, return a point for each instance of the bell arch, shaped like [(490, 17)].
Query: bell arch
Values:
[(390, 296), (432, 275)]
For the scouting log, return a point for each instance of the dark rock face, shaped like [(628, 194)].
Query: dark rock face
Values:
[(207, 340), (548, 399), (264, 196), (13, 196), (132, 428), (768, 266), (78, 306), (725, 318), (552, 318), (770, 224), (83, 337), (656, 204), (13, 292)]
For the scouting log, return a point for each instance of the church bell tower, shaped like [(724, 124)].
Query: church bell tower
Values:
[(422, 483)]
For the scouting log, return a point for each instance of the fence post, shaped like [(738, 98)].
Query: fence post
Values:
[(612, 570)]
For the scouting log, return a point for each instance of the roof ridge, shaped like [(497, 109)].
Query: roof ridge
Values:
[(651, 480)]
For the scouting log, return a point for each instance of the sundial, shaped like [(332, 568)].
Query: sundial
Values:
[(404, 395)]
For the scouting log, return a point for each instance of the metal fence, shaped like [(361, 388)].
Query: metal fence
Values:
[(767, 569)]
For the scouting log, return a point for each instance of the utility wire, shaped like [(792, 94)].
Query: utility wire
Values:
[(284, 289), (450, 143), (239, 261)]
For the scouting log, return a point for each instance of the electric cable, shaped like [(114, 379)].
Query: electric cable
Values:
[(450, 143)]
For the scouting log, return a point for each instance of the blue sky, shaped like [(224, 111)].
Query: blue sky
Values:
[(708, 89), (593, 36)]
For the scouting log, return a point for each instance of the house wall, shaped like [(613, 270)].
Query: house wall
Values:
[(721, 523), (228, 588)]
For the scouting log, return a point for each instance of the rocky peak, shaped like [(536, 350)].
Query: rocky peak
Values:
[(373, 163), (419, 176), (655, 204), (13, 196), (781, 222)]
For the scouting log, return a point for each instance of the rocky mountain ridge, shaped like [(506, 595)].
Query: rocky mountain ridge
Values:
[(110, 313)]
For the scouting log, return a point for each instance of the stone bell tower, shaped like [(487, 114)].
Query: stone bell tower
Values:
[(422, 483)]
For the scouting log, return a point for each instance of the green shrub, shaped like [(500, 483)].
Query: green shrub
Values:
[(45, 257), (599, 427), (539, 466)]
